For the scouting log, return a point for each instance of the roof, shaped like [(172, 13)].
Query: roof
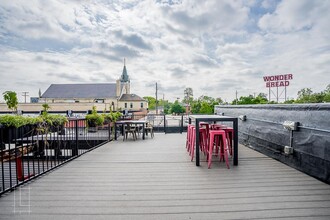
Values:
[(70, 91), (130, 97)]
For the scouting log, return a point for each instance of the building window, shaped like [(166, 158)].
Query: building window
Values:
[(99, 100), (131, 105), (141, 104), (125, 105)]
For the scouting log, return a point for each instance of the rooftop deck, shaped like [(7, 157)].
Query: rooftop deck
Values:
[(154, 179)]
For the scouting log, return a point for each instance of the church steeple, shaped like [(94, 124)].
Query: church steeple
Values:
[(124, 76)]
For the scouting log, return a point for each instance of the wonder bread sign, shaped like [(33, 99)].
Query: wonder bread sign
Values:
[(278, 80)]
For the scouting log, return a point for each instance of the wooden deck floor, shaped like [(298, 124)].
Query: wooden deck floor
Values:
[(154, 179)]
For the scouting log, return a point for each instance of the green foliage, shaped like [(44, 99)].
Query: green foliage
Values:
[(167, 106), (177, 108), (327, 97), (94, 119), (151, 102), (196, 107), (94, 111), (55, 120), (205, 105), (206, 108), (18, 120), (291, 101), (116, 116), (11, 100), (13, 121), (250, 100), (45, 107), (111, 117), (306, 95)]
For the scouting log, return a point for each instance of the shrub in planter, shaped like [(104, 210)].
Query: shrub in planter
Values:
[(94, 120), (55, 122), (11, 123)]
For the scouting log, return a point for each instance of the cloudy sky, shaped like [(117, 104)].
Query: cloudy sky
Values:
[(215, 47)]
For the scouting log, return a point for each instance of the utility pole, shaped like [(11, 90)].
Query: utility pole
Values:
[(236, 97), (25, 94), (156, 99)]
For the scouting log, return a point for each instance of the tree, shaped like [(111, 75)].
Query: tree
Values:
[(151, 102), (188, 96), (304, 95), (205, 104), (289, 101), (250, 100), (219, 100), (245, 100), (167, 106), (327, 94), (206, 108), (195, 106), (261, 99), (11, 100), (177, 108)]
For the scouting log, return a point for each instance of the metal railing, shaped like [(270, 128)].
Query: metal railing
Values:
[(28, 152), (161, 122)]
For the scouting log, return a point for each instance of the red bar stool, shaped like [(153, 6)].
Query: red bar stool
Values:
[(189, 133), (203, 136), (217, 126), (206, 125), (202, 141), (223, 146), (229, 135), (192, 143)]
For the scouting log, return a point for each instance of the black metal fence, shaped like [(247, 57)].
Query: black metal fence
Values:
[(28, 152)]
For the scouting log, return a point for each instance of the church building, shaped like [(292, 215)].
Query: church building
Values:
[(115, 96)]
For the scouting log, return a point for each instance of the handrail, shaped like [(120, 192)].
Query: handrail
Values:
[(26, 154)]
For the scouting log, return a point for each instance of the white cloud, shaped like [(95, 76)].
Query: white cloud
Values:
[(215, 47), (291, 16)]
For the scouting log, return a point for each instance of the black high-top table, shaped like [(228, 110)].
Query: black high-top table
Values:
[(215, 118)]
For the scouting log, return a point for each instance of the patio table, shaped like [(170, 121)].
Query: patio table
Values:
[(215, 118), (135, 122)]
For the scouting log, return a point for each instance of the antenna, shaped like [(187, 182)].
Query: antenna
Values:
[(124, 61)]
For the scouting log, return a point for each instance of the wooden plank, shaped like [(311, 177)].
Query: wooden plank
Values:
[(155, 179)]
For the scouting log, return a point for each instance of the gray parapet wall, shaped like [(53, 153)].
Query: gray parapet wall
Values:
[(263, 130)]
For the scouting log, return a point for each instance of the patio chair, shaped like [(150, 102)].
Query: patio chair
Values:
[(130, 128), (149, 129)]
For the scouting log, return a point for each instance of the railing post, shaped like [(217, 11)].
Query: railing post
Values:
[(109, 131), (2, 148), (75, 152), (181, 129), (164, 123)]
